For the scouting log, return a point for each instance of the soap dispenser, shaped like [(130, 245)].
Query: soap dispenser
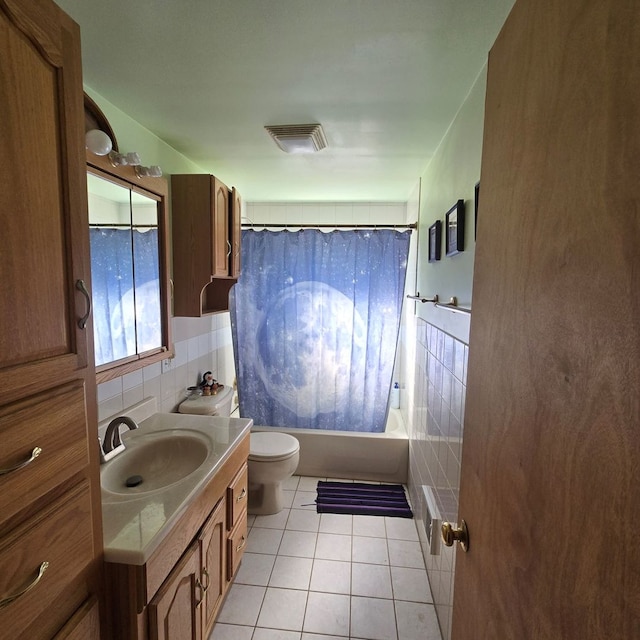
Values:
[(394, 400)]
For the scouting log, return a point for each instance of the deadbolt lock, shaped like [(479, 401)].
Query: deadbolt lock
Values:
[(451, 535)]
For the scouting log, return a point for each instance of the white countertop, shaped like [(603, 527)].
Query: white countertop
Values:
[(134, 525)]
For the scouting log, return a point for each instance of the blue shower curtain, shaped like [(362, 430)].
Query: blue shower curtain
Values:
[(315, 319)]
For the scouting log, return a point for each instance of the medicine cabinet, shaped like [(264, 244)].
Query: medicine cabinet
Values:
[(129, 268)]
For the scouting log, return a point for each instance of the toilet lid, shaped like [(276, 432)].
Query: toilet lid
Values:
[(272, 445)]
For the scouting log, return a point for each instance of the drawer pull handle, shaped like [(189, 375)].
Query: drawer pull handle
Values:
[(243, 493), (43, 567), (240, 547), (34, 454)]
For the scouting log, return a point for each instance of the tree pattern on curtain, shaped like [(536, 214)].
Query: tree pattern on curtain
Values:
[(315, 319)]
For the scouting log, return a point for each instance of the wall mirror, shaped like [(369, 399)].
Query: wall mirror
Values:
[(129, 268)]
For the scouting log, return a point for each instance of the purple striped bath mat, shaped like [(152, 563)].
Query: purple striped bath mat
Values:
[(362, 499)]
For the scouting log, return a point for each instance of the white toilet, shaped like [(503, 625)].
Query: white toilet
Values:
[(273, 456)]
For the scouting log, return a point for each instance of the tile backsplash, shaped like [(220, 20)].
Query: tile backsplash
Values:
[(201, 344)]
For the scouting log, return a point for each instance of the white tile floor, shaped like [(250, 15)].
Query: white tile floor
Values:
[(310, 576)]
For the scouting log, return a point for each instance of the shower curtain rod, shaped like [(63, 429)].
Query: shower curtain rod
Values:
[(412, 225)]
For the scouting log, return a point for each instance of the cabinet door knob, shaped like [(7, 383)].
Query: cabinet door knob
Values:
[(243, 541), (243, 493)]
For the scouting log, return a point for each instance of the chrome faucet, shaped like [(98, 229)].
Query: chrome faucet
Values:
[(112, 435)]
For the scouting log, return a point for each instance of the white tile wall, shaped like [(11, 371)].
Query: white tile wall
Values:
[(260, 213), (201, 344), (434, 415)]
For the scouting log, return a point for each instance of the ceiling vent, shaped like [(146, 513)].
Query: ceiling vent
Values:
[(298, 138)]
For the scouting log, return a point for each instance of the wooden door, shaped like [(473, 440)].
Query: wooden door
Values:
[(213, 575), (551, 456), (174, 611), (220, 229)]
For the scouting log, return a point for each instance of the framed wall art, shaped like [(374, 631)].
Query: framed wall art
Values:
[(435, 241), (454, 228)]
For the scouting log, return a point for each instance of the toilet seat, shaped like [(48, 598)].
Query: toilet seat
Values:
[(265, 446)]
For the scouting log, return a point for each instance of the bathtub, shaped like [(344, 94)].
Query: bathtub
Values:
[(353, 455)]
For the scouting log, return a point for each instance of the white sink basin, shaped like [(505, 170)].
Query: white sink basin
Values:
[(155, 461)]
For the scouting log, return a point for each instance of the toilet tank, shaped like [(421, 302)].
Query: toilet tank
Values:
[(214, 405)]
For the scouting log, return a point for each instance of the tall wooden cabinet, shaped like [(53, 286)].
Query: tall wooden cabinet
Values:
[(206, 227), (50, 521)]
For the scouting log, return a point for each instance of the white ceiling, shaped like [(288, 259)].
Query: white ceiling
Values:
[(384, 78)]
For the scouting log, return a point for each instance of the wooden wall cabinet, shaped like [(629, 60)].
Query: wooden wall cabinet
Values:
[(50, 517), (206, 227), (178, 593)]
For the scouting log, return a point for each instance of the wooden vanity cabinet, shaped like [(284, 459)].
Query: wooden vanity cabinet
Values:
[(206, 227), (85, 623), (237, 497), (50, 518), (213, 543), (174, 611), (178, 592)]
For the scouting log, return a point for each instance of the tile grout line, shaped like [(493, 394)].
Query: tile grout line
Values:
[(399, 537)]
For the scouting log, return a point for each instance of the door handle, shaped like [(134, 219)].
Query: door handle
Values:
[(451, 535)]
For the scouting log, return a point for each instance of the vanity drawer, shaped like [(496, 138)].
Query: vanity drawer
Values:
[(84, 624), (55, 422), (235, 545), (61, 536), (237, 495)]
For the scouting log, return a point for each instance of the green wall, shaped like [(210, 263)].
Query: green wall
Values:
[(451, 175), (132, 136)]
